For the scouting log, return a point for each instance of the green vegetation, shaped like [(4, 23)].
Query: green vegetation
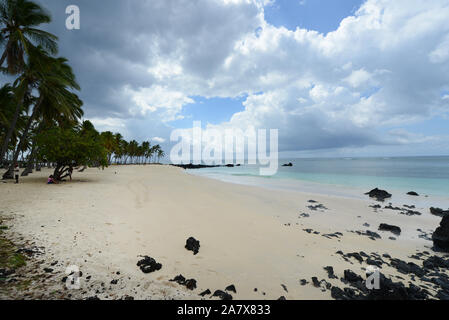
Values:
[(9, 258), (40, 114)]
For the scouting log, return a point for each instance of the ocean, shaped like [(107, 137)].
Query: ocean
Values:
[(350, 177)]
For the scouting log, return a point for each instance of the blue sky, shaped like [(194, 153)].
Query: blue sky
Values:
[(320, 15)]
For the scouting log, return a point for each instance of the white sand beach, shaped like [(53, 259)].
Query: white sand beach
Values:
[(250, 237)]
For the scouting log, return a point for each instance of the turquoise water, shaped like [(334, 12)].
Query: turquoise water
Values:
[(425, 175)]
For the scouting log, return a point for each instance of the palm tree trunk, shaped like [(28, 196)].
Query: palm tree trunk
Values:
[(10, 173), (3, 58), (11, 128), (29, 167)]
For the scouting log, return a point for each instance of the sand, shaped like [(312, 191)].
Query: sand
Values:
[(250, 237)]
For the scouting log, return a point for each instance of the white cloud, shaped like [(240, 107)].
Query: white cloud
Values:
[(358, 77), (157, 99), (158, 140), (386, 65)]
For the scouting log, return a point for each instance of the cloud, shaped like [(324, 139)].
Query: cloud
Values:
[(141, 62)]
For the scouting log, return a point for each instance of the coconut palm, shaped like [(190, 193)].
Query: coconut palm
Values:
[(109, 141), (53, 79), (18, 19), (160, 154)]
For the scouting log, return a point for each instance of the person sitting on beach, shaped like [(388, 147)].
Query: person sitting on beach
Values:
[(51, 180)]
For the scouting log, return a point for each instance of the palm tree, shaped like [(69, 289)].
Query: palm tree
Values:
[(160, 154), (53, 79), (124, 147), (145, 148), (7, 101), (109, 141), (118, 138), (133, 149), (18, 19)]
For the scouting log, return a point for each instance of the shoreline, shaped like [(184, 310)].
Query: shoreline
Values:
[(250, 237), (324, 189)]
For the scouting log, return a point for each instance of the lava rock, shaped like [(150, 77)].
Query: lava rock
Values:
[(441, 235), (205, 293), (413, 193), (193, 245), (379, 195), (231, 288), (439, 212), (148, 265), (352, 277), (188, 283), (222, 295), (356, 256), (394, 229), (435, 262), (315, 282), (288, 165), (330, 272)]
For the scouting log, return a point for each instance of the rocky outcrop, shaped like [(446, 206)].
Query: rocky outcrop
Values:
[(288, 165), (379, 195), (413, 193), (441, 235)]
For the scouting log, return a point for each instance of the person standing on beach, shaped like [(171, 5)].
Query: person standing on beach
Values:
[(16, 173)]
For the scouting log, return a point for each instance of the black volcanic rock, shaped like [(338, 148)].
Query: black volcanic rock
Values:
[(222, 295), (205, 293), (188, 283), (193, 245), (413, 193), (386, 227), (379, 195), (350, 276), (439, 212), (330, 272), (193, 166), (288, 165), (231, 288), (148, 265), (441, 235)]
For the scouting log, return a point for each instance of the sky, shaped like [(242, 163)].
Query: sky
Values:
[(337, 78)]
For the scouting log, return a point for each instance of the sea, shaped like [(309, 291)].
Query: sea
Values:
[(351, 177)]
